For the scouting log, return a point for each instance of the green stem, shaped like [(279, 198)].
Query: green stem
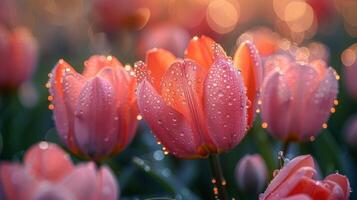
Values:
[(218, 179)]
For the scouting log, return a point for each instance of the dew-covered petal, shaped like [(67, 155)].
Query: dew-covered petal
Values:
[(95, 122), (248, 62), (61, 113), (47, 161), (107, 186), (280, 62), (342, 181), (302, 81), (315, 189), (288, 171), (319, 104), (169, 126), (82, 182), (200, 50), (276, 102), (225, 105), (95, 63), (158, 62)]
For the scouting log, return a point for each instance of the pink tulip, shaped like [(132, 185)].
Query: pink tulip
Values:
[(349, 60), (295, 181), (350, 131), (48, 173), (198, 105), (297, 97), (18, 55), (95, 112), (251, 173), (166, 36)]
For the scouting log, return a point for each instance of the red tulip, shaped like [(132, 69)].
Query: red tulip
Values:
[(251, 173), (295, 181), (297, 97), (95, 112), (48, 173), (198, 105), (18, 55)]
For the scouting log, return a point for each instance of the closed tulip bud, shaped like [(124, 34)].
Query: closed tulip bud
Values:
[(196, 106), (18, 55), (95, 112), (297, 98), (251, 174), (48, 173), (295, 181)]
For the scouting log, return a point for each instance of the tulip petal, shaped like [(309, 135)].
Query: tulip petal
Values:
[(342, 181), (319, 104), (247, 60), (47, 161), (280, 62), (303, 81), (61, 114), (200, 50), (107, 186), (276, 102), (315, 189), (82, 182), (95, 118), (288, 171), (169, 126), (48, 191), (95, 63), (298, 197), (158, 62), (225, 104)]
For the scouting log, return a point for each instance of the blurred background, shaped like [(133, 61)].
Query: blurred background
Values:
[(76, 29)]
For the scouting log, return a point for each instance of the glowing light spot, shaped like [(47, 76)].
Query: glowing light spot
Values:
[(50, 98), (43, 145), (333, 110), (324, 125), (222, 15), (264, 125), (48, 85), (51, 107), (335, 102), (127, 67), (348, 57), (257, 110), (139, 117), (109, 58)]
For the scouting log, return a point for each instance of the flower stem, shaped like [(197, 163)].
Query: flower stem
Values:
[(283, 152), (218, 180)]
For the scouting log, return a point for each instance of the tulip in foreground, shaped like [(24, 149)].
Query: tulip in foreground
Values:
[(297, 97), (295, 181), (48, 173), (18, 55), (197, 106), (251, 174), (95, 112)]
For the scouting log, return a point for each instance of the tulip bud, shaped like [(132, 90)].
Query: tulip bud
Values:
[(18, 55), (104, 85), (297, 98), (251, 174), (349, 60)]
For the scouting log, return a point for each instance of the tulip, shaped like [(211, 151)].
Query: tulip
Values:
[(251, 173), (18, 55), (48, 173), (296, 181), (95, 112), (166, 36), (350, 130), (197, 106), (297, 97), (349, 60)]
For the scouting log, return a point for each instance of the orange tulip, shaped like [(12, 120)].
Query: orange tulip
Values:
[(95, 112), (198, 105)]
